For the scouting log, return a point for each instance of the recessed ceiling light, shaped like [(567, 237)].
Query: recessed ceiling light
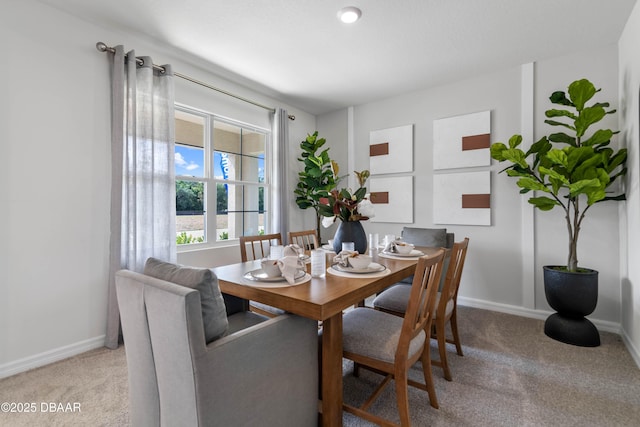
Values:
[(349, 14)]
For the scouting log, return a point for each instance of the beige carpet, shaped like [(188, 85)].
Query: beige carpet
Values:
[(511, 374)]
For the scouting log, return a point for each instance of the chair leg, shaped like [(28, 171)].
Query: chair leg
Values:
[(454, 332), (428, 377), (442, 348), (402, 395)]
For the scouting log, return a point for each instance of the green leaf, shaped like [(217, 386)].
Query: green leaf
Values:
[(560, 98), (562, 137), (599, 137), (556, 123), (587, 117), (518, 172), (560, 113), (581, 91), (619, 158), (515, 140), (515, 155), (558, 157), (544, 203), (577, 155), (496, 150), (554, 174), (532, 184), (584, 186), (595, 196)]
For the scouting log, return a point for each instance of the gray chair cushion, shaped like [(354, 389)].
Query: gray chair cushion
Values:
[(214, 313), (393, 299), (375, 334)]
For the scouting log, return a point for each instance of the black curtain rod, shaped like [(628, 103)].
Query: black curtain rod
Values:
[(104, 48)]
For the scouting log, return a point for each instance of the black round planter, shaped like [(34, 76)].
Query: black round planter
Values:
[(573, 295)]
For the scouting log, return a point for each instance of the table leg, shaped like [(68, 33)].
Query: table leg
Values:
[(332, 371)]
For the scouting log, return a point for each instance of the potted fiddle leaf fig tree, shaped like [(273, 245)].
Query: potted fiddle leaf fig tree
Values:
[(572, 170), (318, 177)]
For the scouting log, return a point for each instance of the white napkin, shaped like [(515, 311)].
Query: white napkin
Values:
[(390, 247), (343, 258), (292, 250), (289, 266)]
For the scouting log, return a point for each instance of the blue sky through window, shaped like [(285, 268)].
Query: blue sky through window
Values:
[(189, 161)]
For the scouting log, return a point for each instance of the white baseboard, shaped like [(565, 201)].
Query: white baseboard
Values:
[(50, 356), (602, 325), (635, 353)]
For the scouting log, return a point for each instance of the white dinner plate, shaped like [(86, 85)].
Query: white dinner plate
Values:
[(260, 276), (414, 252), (371, 268)]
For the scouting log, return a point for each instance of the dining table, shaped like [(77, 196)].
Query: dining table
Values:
[(323, 299)]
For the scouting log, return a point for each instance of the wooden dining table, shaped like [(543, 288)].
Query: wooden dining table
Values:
[(323, 299)]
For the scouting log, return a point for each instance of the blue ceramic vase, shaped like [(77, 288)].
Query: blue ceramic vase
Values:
[(350, 231)]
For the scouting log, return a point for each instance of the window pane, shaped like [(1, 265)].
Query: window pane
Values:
[(189, 161), (227, 138), (226, 166), (238, 153), (189, 148), (240, 210), (253, 145), (190, 214)]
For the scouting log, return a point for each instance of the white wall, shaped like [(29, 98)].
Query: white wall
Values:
[(629, 84), (55, 177), (494, 266)]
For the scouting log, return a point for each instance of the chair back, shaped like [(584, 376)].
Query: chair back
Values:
[(306, 239), (452, 280), (421, 305), (255, 247)]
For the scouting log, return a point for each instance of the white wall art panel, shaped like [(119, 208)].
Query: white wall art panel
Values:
[(391, 150), (462, 198), (462, 141), (392, 199)]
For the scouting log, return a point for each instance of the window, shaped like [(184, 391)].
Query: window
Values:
[(221, 185)]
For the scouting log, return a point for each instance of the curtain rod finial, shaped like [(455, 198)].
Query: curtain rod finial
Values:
[(101, 47)]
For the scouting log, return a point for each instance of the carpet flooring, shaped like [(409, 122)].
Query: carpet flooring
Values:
[(511, 375)]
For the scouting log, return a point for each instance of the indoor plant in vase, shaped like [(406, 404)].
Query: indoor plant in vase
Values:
[(320, 175), (350, 207), (571, 170)]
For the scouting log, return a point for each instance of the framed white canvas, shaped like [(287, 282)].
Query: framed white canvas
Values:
[(462, 198), (462, 141), (391, 150), (392, 199)]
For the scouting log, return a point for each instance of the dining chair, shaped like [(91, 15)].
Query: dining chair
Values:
[(390, 345), (395, 300), (180, 375), (306, 239), (255, 248)]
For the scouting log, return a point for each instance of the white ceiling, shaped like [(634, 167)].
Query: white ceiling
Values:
[(301, 52)]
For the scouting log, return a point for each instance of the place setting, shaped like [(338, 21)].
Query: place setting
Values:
[(288, 270), (354, 264), (397, 249)]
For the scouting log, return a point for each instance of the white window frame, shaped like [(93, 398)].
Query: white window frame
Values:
[(210, 197)]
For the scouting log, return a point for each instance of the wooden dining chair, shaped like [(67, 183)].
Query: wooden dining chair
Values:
[(306, 239), (388, 344), (395, 299), (254, 248)]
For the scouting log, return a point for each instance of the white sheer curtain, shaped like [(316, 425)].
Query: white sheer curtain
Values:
[(143, 184), (280, 193)]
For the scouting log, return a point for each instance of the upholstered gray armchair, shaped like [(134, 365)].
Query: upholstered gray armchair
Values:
[(259, 372)]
